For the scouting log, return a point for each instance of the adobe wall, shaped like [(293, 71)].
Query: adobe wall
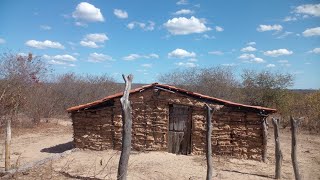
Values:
[(235, 133)]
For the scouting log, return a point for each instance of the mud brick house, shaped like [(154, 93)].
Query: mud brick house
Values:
[(167, 118)]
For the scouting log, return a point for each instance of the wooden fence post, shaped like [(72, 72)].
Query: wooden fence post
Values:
[(209, 144), (126, 129), (294, 148), (7, 144), (265, 139), (278, 153)]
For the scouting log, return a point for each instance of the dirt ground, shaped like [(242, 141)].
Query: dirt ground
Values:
[(49, 140), (34, 144)]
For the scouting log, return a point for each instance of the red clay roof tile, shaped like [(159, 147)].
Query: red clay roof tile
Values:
[(190, 93)]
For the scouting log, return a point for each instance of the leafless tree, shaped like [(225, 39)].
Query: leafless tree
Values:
[(218, 82), (71, 89), (18, 74), (265, 88)]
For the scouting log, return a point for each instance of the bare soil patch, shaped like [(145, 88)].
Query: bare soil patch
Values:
[(86, 164), (39, 142)]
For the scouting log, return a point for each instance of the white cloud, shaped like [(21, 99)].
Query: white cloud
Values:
[(184, 26), (132, 57), (153, 55), (45, 27), (304, 11), (311, 32), (206, 36), (251, 58), (131, 25), (96, 37), (285, 34), (248, 49), (289, 18), (219, 29), (44, 44), (120, 13), (181, 53), (89, 44), (182, 2), (246, 56), (96, 57), (251, 43), (186, 64), (81, 24), (216, 52), (91, 40), (2, 41), (150, 26), (147, 27), (308, 9), (275, 27), (64, 57), (88, 13), (284, 63), (257, 60), (315, 50), (57, 62), (277, 52), (146, 65), (270, 65), (183, 12)]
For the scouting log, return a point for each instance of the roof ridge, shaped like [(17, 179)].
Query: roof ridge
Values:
[(190, 93)]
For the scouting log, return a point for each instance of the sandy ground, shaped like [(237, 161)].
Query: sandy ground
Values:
[(86, 164), (34, 144)]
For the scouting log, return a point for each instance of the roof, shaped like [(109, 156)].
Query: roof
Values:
[(171, 88)]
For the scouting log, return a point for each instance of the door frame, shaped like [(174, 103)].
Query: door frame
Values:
[(190, 119)]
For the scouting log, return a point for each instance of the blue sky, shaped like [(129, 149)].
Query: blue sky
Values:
[(147, 38)]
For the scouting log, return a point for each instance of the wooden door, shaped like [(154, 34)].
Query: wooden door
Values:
[(179, 140)]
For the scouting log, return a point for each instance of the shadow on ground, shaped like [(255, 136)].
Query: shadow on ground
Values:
[(60, 148)]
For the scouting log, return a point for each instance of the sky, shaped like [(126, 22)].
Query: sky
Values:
[(148, 38)]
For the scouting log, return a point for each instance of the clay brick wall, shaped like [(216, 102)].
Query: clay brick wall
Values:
[(235, 133)]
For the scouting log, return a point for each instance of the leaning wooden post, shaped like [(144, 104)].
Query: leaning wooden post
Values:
[(126, 130), (294, 148), (278, 153), (265, 138), (209, 144)]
